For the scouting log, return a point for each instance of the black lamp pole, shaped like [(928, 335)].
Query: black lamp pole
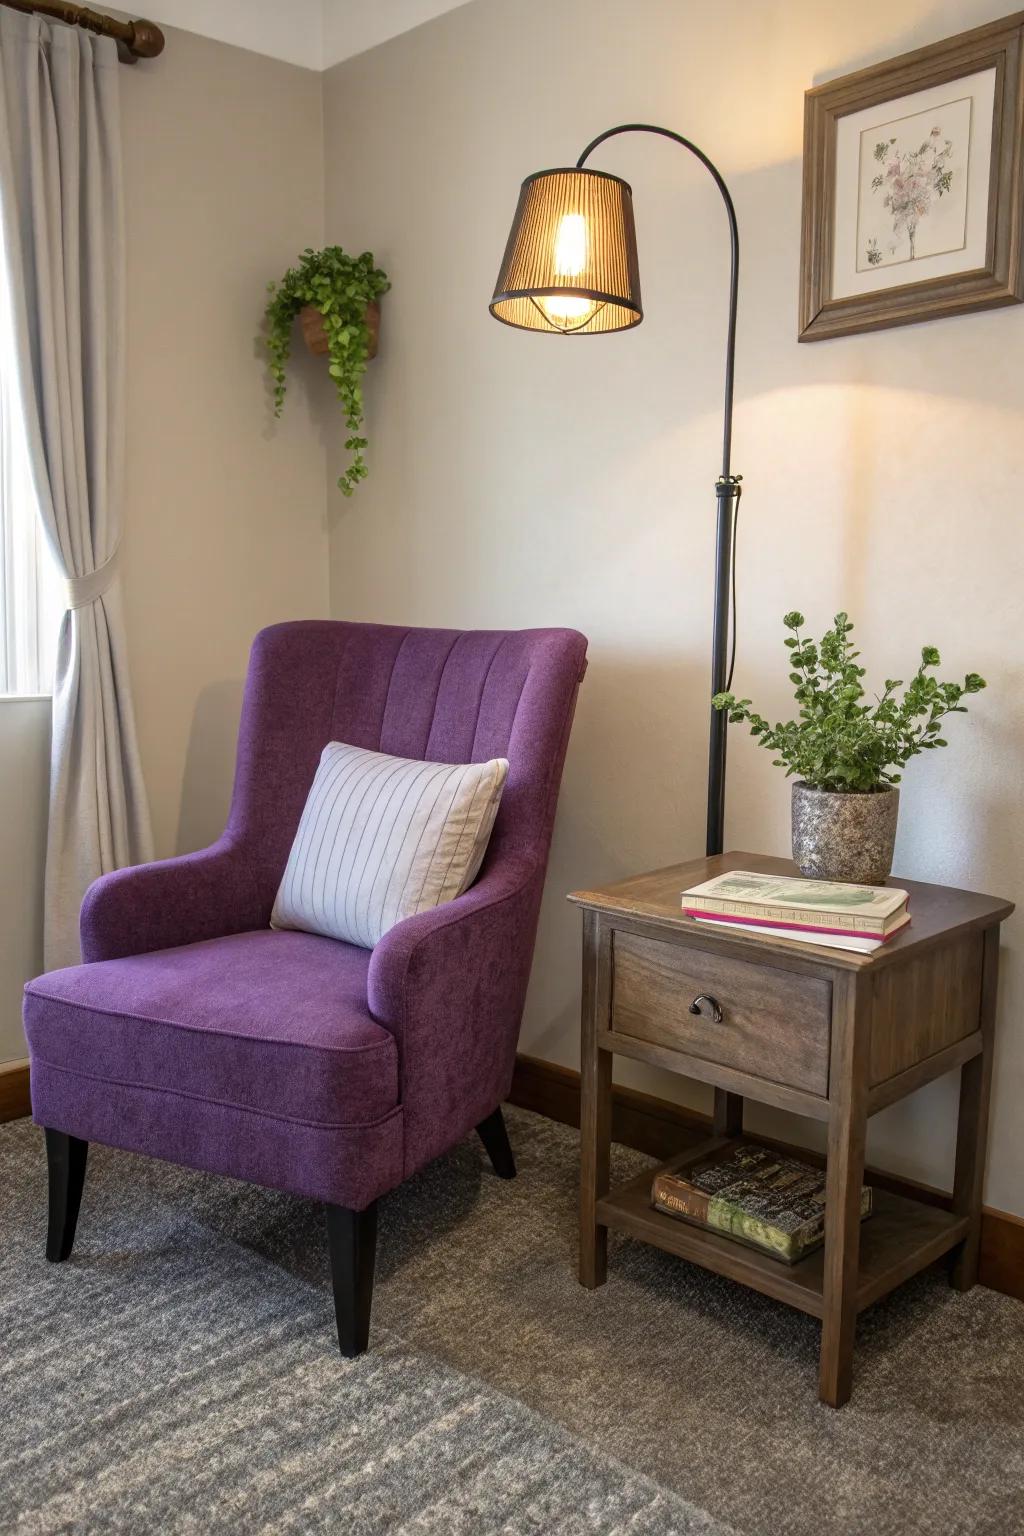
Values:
[(727, 491)]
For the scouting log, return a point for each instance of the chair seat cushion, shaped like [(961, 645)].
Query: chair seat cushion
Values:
[(271, 1022)]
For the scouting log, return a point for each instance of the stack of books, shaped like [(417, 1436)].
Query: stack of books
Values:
[(748, 1192), (857, 917)]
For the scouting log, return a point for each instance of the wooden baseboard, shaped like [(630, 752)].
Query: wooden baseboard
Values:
[(14, 1099), (1001, 1263), (655, 1126)]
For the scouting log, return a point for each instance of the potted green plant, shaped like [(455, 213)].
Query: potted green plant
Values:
[(846, 752), (337, 299)]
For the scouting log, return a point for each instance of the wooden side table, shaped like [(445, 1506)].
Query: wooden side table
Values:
[(824, 1032)]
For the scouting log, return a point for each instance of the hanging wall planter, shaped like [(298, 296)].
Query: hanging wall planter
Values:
[(336, 297), (314, 330)]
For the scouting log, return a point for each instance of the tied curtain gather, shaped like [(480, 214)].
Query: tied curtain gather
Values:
[(63, 232)]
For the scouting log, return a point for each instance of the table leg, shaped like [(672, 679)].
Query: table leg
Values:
[(972, 1123), (728, 1117), (847, 1131), (595, 1109)]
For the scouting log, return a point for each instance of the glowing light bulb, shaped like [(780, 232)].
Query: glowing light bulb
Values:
[(571, 245), (570, 261)]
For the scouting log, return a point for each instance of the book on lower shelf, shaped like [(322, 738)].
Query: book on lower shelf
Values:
[(829, 912), (757, 1196)]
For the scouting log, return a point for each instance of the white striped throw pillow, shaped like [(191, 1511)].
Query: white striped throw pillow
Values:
[(383, 837)]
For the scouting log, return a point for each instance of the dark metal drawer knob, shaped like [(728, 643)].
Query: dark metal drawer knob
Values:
[(716, 1011)]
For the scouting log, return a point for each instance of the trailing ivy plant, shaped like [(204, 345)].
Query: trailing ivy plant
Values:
[(839, 742), (340, 287)]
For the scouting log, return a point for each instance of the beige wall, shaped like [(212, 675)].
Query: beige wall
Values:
[(517, 480), (224, 509)]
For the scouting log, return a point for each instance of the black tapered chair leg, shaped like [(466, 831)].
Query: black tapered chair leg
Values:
[(65, 1161), (494, 1136), (352, 1241)]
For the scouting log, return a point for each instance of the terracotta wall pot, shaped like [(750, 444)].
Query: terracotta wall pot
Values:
[(316, 336), (373, 326), (844, 837)]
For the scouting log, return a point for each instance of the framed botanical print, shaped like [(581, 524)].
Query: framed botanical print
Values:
[(914, 186)]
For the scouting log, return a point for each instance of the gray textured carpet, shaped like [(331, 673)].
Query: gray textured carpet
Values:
[(180, 1374)]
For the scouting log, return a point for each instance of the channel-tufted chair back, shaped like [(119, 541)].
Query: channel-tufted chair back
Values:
[(441, 695)]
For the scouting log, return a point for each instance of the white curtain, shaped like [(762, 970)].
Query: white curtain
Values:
[(61, 195)]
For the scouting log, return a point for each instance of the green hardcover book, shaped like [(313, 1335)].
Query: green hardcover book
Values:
[(759, 1197)]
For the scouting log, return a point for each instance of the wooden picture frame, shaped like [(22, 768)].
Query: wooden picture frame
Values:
[(989, 64)]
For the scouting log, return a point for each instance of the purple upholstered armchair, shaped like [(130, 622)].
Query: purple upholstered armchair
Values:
[(197, 1034)]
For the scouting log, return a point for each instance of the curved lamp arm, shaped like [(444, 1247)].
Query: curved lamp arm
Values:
[(727, 491), (734, 237), (602, 276)]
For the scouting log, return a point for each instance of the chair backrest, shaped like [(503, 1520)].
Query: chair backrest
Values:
[(440, 695)]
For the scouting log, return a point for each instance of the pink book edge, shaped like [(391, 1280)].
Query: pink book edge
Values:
[(764, 922)]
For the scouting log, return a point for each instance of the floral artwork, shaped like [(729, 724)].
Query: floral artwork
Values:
[(911, 180), (913, 187)]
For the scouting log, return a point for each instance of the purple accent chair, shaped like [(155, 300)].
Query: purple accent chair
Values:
[(195, 1033)]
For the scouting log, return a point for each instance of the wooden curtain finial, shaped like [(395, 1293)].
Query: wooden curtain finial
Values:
[(147, 40), (136, 39)]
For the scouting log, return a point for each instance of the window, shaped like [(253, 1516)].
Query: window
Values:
[(31, 600)]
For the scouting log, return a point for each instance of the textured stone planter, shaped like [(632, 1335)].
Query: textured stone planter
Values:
[(844, 837), (315, 335)]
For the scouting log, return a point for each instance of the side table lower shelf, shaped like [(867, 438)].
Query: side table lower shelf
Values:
[(900, 1238)]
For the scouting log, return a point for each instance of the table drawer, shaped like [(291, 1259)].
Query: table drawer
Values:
[(775, 1024)]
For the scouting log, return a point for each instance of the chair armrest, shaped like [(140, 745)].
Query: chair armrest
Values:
[(416, 956), (198, 896), (449, 984)]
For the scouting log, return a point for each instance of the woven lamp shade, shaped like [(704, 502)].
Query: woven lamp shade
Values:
[(570, 266)]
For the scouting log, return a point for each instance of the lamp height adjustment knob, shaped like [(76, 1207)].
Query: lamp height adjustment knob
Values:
[(697, 1006)]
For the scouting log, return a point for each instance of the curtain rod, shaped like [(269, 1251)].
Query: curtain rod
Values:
[(137, 39)]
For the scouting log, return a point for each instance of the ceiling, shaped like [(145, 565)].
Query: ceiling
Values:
[(315, 33)]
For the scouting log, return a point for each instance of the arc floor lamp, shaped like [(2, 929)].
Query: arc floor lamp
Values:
[(570, 268)]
